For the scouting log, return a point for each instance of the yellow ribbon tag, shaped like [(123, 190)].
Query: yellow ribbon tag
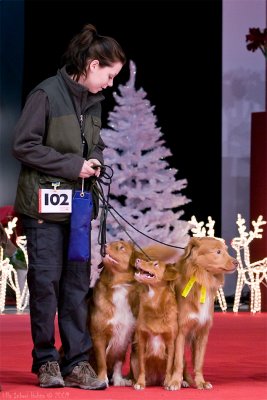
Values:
[(189, 286), (203, 294)]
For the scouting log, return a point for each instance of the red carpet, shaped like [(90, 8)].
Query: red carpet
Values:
[(236, 364)]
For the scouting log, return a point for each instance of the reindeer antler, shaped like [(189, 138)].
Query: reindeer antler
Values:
[(198, 228)]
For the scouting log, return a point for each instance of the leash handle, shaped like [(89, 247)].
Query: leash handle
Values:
[(107, 207)]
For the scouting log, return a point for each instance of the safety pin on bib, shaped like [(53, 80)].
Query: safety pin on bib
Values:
[(55, 185)]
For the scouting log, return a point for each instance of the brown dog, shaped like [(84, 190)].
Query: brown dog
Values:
[(201, 272), (112, 321), (156, 329), (115, 306)]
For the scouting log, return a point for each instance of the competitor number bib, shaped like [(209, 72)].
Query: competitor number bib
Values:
[(55, 201)]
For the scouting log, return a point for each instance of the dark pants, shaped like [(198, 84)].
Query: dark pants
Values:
[(55, 285)]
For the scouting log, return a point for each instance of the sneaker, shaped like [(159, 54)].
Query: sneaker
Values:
[(84, 377), (49, 375)]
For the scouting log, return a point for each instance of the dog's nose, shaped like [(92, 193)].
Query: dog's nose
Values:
[(236, 263)]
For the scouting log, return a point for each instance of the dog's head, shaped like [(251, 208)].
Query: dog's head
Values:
[(118, 255), (209, 254), (154, 272)]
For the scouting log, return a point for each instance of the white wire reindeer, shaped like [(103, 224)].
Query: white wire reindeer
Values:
[(251, 274), (8, 274), (199, 230)]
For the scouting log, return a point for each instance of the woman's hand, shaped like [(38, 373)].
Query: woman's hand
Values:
[(90, 168)]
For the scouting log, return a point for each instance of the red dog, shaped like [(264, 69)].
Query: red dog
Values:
[(156, 328), (115, 306), (201, 273)]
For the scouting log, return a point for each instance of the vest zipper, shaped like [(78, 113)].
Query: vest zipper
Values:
[(82, 134)]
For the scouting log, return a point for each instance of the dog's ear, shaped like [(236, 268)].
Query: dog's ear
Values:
[(133, 257), (193, 243), (171, 272), (136, 254), (161, 252)]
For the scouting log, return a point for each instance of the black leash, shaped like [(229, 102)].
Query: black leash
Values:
[(107, 207)]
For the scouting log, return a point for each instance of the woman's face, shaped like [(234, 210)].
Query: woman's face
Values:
[(98, 78)]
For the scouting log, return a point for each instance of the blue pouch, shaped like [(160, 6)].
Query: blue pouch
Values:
[(80, 227)]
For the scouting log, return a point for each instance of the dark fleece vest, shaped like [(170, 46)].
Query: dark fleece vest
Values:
[(64, 135)]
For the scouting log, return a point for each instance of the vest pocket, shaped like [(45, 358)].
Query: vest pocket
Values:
[(96, 124)]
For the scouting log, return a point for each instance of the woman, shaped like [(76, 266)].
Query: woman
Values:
[(57, 140)]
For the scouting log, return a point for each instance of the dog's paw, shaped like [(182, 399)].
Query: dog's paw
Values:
[(204, 385), (185, 384), (138, 386), (103, 377), (107, 382), (120, 381), (174, 385)]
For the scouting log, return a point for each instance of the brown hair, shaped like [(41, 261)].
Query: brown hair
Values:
[(88, 45)]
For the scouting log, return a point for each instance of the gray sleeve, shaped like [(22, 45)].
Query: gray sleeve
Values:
[(28, 145)]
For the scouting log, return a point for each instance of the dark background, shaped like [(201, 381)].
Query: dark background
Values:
[(176, 46)]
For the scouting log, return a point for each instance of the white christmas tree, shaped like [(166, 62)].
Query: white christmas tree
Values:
[(144, 189)]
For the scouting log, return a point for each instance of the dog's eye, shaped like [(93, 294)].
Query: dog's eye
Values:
[(156, 264), (218, 251), (121, 248)]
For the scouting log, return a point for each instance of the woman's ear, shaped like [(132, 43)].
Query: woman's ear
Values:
[(93, 65)]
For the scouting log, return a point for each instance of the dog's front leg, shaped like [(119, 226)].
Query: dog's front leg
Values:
[(199, 349), (141, 345), (117, 378), (178, 365), (101, 362), (170, 358)]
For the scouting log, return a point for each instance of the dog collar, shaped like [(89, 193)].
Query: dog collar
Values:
[(189, 286)]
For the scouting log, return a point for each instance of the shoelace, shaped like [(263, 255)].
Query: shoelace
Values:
[(85, 369), (51, 367)]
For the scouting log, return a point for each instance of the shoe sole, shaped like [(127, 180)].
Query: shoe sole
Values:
[(73, 384), (54, 385)]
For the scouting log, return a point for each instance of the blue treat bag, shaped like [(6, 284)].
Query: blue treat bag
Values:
[(80, 227)]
